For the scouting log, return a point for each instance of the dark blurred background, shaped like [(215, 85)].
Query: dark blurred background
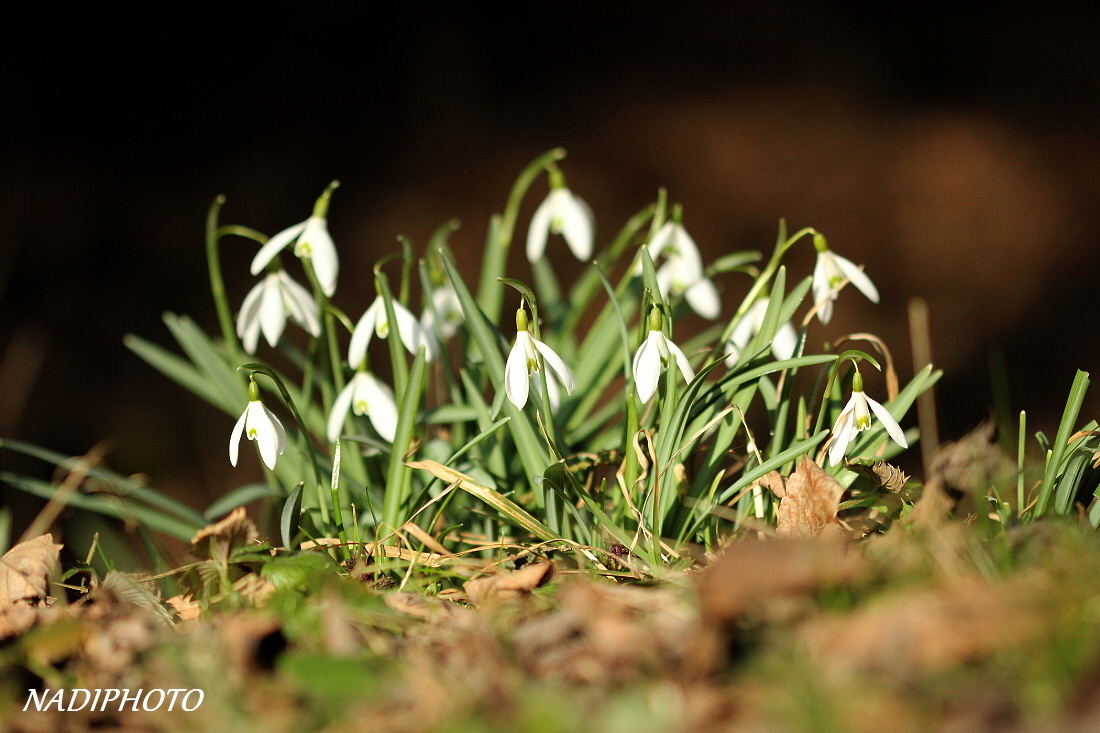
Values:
[(954, 153)]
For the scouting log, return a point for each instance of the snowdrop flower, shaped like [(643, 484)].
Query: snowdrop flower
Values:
[(267, 305), (525, 359), (561, 213), (856, 417), (653, 357), (374, 322), (364, 395), (783, 345), (446, 306), (311, 239), (830, 272), (682, 271), (260, 425)]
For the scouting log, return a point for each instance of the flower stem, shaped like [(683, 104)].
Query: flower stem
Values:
[(217, 284)]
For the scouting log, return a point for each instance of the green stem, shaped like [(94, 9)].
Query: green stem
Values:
[(489, 291), (217, 284)]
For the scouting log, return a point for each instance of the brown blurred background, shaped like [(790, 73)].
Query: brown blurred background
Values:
[(952, 153)]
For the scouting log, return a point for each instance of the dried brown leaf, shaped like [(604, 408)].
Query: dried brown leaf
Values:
[(810, 503), (510, 585), (186, 607), (218, 541), (973, 462), (754, 572), (773, 482), (25, 570)]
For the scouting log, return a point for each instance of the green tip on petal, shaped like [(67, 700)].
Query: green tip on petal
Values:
[(253, 390), (521, 320), (654, 319), (320, 209), (819, 242), (857, 382)]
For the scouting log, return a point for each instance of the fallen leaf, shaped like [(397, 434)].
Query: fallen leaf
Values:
[(773, 482), (510, 585), (810, 502), (186, 607), (218, 541), (25, 571), (973, 462)]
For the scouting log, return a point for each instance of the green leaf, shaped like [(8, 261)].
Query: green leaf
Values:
[(298, 572), (291, 518)]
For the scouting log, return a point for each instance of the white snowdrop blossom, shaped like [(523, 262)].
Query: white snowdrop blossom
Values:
[(682, 271), (259, 424), (311, 240), (856, 417), (561, 213), (653, 356), (446, 306), (830, 273), (373, 322), (364, 395), (525, 359), (783, 345), (267, 305)]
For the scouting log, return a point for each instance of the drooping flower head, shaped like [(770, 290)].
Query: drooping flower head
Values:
[(856, 417), (526, 358), (374, 322), (653, 357), (682, 270), (561, 213), (830, 274), (267, 305), (783, 344), (364, 395), (259, 424), (311, 240)]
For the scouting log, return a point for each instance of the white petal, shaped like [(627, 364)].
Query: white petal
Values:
[(248, 322), (274, 246), (280, 431), (703, 298), (686, 245), (382, 406), (235, 438), (267, 437), (300, 304), (339, 412), (577, 226), (681, 361), (660, 239), (889, 423), (556, 364), (361, 334), (732, 354), (858, 277), (647, 366), (539, 229), (408, 328), (322, 253), (272, 311), (746, 327), (842, 435), (823, 293), (515, 374), (785, 342)]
